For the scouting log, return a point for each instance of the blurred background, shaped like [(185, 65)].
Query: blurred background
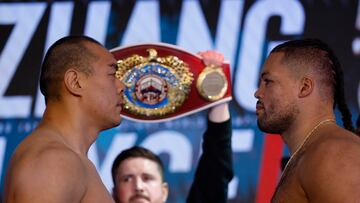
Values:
[(243, 30)]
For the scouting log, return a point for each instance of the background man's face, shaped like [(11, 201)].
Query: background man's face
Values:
[(139, 180)]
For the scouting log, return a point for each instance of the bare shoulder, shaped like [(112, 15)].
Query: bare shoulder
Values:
[(332, 163), (47, 166), (335, 146)]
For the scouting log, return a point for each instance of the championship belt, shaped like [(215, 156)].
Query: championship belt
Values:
[(164, 82)]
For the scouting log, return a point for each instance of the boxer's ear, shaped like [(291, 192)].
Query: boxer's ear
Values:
[(73, 80), (306, 87)]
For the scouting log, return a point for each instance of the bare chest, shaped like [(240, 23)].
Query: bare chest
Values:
[(96, 190), (289, 189)]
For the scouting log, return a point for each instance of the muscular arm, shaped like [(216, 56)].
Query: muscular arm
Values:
[(53, 175), (214, 171)]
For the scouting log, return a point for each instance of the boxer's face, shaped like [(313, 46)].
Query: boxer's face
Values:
[(277, 106)]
